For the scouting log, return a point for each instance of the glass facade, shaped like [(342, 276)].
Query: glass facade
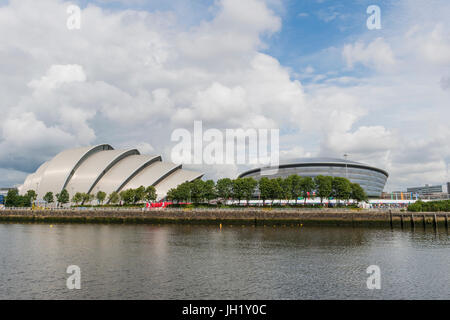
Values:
[(372, 180)]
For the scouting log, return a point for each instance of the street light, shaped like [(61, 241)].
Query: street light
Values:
[(346, 169)]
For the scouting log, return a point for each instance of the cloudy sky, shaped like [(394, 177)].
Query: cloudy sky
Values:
[(136, 70)]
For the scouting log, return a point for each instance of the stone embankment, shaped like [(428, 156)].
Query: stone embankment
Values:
[(245, 216)]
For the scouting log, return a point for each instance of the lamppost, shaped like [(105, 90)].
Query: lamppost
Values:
[(346, 169)]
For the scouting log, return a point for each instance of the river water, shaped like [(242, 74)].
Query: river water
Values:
[(205, 262)]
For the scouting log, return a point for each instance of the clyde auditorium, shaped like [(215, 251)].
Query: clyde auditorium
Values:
[(371, 179), (101, 168)]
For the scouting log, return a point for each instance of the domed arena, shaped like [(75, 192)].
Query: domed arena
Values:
[(103, 168), (371, 179)]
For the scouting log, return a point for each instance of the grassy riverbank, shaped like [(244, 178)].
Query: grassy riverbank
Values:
[(232, 217)]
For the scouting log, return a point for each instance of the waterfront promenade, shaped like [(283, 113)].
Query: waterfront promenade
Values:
[(231, 216)]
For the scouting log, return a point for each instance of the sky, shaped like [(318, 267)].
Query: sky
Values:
[(137, 70)]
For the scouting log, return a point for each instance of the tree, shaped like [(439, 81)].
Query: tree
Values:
[(12, 198), (285, 185), (127, 196), (210, 192), (86, 198), (139, 194), (224, 188), (150, 193), (276, 192), (32, 195), (323, 186), (294, 185), (237, 188), (249, 188), (342, 188), (101, 196), (63, 197), (181, 193), (265, 186), (307, 186), (77, 198), (48, 197), (358, 193), (171, 194), (113, 197), (197, 190)]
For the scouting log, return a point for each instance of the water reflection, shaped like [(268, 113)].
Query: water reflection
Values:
[(205, 262)]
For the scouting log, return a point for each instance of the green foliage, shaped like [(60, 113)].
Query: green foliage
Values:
[(430, 206), (101, 196), (128, 196), (276, 192), (197, 188), (200, 192), (323, 186), (306, 186), (238, 188), (342, 188), (265, 188), (249, 188), (77, 198), (285, 187), (180, 193), (150, 193), (210, 191), (113, 197), (63, 197), (358, 193), (139, 194), (86, 198), (294, 183), (32, 195), (48, 197), (224, 188), (13, 199)]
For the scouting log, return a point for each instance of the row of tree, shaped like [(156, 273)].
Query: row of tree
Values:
[(129, 196), (13, 199), (431, 206), (292, 187)]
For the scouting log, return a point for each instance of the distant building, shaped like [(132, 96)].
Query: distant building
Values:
[(425, 190), (371, 179), (448, 187), (3, 193), (102, 168)]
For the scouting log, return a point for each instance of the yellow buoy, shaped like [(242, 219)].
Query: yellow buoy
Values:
[(220, 226)]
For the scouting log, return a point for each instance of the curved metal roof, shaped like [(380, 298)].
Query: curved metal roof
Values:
[(61, 168), (174, 179), (151, 175), (306, 162), (32, 181), (27, 184), (95, 167), (124, 171)]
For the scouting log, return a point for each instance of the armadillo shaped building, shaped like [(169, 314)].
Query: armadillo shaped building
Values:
[(102, 168)]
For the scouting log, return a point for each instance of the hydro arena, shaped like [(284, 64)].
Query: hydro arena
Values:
[(102, 168), (371, 179)]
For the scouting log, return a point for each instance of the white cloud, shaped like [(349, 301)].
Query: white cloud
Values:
[(377, 54), (130, 77), (58, 75)]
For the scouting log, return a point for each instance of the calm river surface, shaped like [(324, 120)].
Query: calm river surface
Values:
[(204, 262)]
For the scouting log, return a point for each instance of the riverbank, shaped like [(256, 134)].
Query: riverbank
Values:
[(248, 216)]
